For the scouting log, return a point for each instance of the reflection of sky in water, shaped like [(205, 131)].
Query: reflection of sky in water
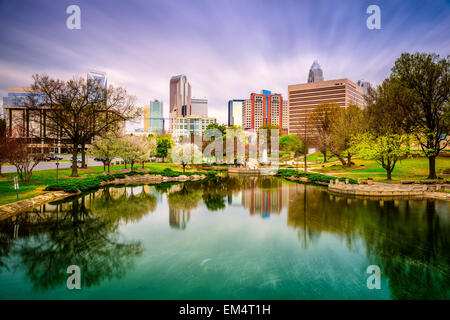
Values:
[(252, 238)]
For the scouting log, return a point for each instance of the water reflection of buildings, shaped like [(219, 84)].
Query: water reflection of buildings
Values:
[(178, 219), (262, 196)]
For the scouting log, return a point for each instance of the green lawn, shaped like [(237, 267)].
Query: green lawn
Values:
[(407, 169), (43, 178)]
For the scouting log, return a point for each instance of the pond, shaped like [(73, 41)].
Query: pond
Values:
[(227, 238)]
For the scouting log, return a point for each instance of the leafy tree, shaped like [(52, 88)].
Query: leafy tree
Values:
[(136, 148), (106, 148), (426, 78), (186, 153), (215, 125), (344, 123), (385, 149), (78, 110), (320, 120), (164, 143), (291, 143)]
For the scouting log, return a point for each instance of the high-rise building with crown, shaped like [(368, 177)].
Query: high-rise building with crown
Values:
[(315, 73)]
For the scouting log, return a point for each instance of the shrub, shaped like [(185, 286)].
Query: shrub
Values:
[(211, 173), (314, 177)]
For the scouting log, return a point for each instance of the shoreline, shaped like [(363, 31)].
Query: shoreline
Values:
[(11, 209)]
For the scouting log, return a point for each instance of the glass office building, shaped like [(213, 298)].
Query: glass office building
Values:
[(153, 117)]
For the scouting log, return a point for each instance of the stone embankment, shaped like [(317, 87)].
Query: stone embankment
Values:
[(14, 208), (391, 190), (21, 206)]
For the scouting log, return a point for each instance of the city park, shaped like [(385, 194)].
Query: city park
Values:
[(400, 137), (154, 216)]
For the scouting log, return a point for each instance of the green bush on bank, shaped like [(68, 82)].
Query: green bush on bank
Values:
[(72, 185), (314, 177)]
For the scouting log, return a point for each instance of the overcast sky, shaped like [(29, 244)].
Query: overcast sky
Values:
[(226, 48)]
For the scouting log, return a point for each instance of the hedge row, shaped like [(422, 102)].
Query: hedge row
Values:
[(314, 177), (85, 184)]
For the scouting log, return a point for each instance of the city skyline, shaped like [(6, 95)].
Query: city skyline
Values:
[(134, 43)]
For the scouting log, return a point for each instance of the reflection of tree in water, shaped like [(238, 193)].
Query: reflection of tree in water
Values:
[(214, 202), (116, 205), (406, 239), (76, 236), (411, 246), (181, 202)]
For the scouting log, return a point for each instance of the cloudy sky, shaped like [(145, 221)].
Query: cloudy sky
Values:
[(226, 48)]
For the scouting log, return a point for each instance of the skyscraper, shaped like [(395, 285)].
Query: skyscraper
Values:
[(262, 108), (365, 85), (235, 112), (315, 73), (305, 97), (153, 117), (100, 77), (199, 107), (180, 96)]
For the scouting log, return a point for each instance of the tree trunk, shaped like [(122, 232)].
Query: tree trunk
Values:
[(432, 168), (143, 163), (74, 161), (389, 173), (0, 169), (324, 157), (341, 159), (184, 167), (109, 164), (125, 162), (349, 159), (306, 163), (83, 156), (131, 165)]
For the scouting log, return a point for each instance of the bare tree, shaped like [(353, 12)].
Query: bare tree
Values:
[(20, 154), (78, 110), (319, 119)]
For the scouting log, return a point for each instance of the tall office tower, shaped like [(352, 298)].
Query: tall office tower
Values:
[(235, 112), (180, 96), (153, 117), (285, 124), (365, 85), (315, 73), (99, 76), (262, 108), (247, 114), (199, 107), (306, 96)]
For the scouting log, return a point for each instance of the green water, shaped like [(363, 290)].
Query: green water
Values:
[(228, 238)]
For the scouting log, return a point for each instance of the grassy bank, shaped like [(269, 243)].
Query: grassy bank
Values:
[(43, 178), (413, 169)]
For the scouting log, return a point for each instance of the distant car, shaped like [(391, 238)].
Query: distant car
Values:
[(78, 160), (99, 159), (52, 157)]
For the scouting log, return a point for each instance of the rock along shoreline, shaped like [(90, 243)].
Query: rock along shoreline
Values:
[(15, 208)]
